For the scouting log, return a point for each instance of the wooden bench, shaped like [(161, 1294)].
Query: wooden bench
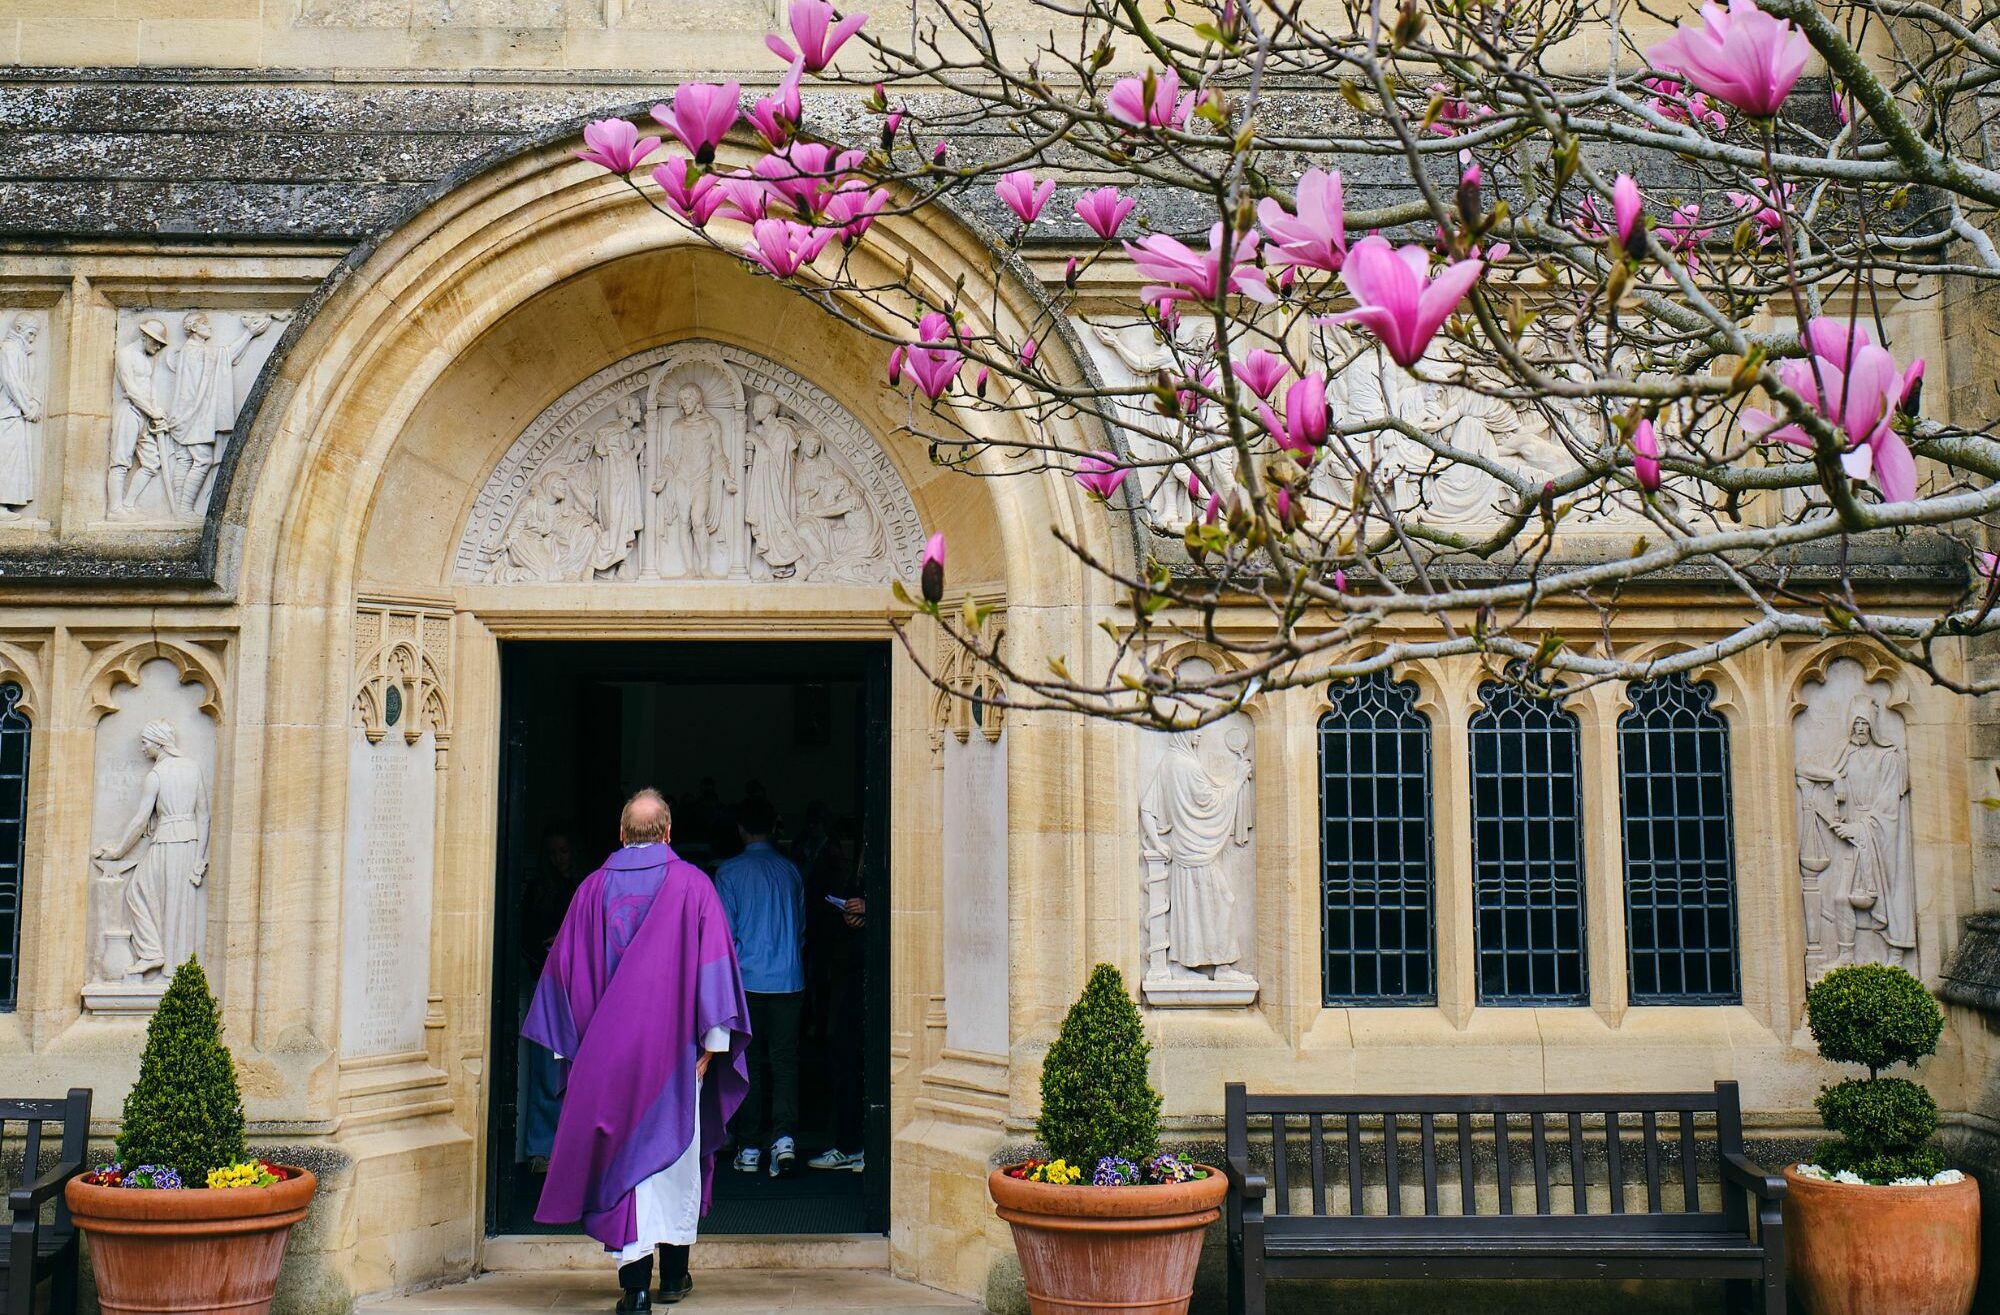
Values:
[(1591, 1156), (37, 1250)]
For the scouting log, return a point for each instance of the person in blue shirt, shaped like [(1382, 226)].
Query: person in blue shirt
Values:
[(764, 897)]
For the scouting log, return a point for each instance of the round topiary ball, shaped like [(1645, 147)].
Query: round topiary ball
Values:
[(1873, 1015), (1879, 1116)]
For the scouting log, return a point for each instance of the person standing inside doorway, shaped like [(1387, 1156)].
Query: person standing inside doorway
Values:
[(641, 996), (839, 948), (765, 899)]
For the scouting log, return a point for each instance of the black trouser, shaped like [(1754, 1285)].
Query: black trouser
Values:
[(638, 1275), (845, 1053), (774, 1069)]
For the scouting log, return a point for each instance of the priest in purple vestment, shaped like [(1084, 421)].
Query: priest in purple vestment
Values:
[(640, 999)]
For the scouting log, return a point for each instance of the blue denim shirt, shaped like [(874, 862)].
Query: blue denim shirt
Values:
[(765, 899)]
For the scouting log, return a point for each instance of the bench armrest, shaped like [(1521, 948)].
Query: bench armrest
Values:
[(1250, 1185), (28, 1198), (1737, 1168)]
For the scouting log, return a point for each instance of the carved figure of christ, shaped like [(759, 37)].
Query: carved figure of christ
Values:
[(693, 479)]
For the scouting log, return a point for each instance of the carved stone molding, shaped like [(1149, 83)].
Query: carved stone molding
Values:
[(695, 461), (402, 655)]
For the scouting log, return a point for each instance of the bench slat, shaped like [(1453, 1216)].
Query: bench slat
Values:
[(1468, 1199), (1354, 1164), (1614, 1162), (1579, 1186), (1392, 1134), (1540, 1139), (1281, 1163), (1503, 1164), (1690, 1181), (1650, 1122), (1317, 1132), (1427, 1135)]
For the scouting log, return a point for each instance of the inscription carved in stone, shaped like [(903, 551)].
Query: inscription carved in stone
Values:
[(692, 462), (179, 379), (1857, 849)]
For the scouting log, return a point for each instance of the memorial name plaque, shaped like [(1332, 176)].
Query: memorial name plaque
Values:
[(386, 895)]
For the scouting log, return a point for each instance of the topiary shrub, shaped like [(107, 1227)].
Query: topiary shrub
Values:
[(1876, 1016), (1096, 1100), (185, 1111)]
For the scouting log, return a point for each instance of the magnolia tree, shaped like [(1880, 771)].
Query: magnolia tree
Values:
[(1593, 333)]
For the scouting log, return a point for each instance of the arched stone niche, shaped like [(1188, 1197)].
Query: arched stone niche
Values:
[(694, 461)]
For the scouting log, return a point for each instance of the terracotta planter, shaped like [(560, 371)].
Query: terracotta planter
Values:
[(213, 1251), (1131, 1250), (1860, 1250)]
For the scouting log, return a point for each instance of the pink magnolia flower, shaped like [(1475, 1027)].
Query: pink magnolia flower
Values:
[(1315, 237), (701, 116), (1454, 113), (1028, 350), (819, 37), (776, 117), (799, 175), (933, 360), (1304, 426), (695, 202), (1401, 303), (1839, 99), (1677, 104), (1646, 456), (854, 207), (932, 570), (1684, 234), (1022, 196), (1628, 208), (745, 197), (780, 246), (1854, 386), (938, 152), (896, 358), (1765, 209), (615, 145), (1099, 474), (1191, 394), (1183, 274), (1104, 210), (1741, 56), (1987, 564), (1339, 580), (1262, 371), (1154, 101)]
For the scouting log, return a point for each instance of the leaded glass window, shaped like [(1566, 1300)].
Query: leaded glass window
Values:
[(1680, 852), (1378, 920), (1527, 849), (14, 732)]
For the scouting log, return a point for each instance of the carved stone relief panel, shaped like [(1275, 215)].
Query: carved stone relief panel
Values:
[(1197, 828), (1856, 846), (178, 381), (24, 395), (396, 749), (696, 461), (152, 822)]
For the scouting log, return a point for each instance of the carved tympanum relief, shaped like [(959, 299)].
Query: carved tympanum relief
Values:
[(1363, 383), (151, 827), (1857, 849), (178, 381), (692, 462), (1197, 819), (23, 398)]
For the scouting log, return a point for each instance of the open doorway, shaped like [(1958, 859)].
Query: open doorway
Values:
[(804, 725)]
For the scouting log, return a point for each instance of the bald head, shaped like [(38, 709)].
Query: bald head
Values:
[(645, 820)]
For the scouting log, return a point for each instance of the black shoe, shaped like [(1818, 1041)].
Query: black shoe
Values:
[(633, 1301), (673, 1292)]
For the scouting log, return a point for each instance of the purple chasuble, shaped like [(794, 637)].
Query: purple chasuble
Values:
[(642, 969)]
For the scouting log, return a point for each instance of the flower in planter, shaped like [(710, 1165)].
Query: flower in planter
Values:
[(1167, 1167), (1115, 1171), (245, 1173), (160, 1177), (106, 1175), (1060, 1172)]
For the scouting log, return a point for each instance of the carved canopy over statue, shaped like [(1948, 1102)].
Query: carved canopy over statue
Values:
[(692, 462)]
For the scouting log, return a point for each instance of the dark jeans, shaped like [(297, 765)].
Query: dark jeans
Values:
[(774, 1069), (845, 1054), (638, 1276)]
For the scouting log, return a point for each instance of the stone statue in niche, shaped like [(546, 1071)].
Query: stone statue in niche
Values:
[(618, 453), (743, 471), (20, 414), (1857, 847), (693, 479), (842, 533), (164, 901), (204, 402), (1197, 813), (770, 496), (174, 405), (554, 539)]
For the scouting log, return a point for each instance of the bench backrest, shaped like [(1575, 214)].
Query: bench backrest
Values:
[(1599, 1162), (33, 1116)]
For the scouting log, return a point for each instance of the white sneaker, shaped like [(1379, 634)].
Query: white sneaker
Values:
[(838, 1159), (747, 1159), (783, 1154)]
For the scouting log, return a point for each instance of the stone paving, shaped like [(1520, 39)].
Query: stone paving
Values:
[(716, 1292)]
